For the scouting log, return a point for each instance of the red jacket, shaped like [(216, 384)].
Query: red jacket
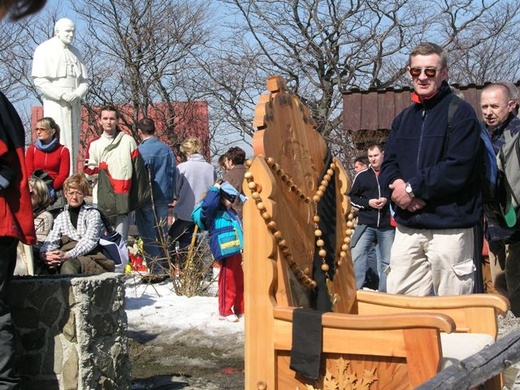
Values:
[(16, 215), (55, 163)]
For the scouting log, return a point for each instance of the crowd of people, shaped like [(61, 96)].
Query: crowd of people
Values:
[(419, 201), (419, 212), (126, 182), (419, 206)]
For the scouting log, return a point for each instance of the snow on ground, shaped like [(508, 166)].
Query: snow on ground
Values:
[(158, 311)]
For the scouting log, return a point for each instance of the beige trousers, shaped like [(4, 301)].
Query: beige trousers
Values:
[(431, 262)]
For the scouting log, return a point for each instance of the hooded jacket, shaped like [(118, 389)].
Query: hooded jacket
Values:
[(442, 170), (192, 179)]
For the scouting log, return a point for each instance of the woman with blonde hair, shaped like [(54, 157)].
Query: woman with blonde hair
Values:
[(40, 199), (72, 245), (47, 158), (27, 261), (192, 179)]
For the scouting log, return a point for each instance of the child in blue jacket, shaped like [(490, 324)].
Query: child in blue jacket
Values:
[(216, 214)]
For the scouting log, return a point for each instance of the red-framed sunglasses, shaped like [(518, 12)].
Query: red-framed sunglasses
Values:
[(429, 72)]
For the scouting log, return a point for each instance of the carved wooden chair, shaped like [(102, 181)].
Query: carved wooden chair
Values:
[(297, 229)]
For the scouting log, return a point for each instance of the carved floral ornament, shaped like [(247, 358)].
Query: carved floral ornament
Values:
[(345, 379)]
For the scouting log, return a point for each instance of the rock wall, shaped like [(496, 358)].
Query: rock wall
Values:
[(70, 332)]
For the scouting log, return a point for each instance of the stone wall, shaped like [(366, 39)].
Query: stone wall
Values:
[(70, 332)]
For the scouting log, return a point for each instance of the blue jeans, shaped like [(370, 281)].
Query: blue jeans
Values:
[(148, 227), (384, 239)]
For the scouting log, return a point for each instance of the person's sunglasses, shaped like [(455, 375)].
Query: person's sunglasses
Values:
[(429, 72)]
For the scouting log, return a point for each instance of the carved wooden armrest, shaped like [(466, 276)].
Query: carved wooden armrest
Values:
[(498, 302), (376, 322), (473, 313)]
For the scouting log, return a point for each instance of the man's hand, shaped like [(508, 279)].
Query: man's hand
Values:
[(416, 205), (399, 195), (403, 199), (378, 203)]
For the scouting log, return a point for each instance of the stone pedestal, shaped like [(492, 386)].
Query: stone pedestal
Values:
[(70, 332)]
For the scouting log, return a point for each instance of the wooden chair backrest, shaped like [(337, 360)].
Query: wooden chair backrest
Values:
[(289, 165)]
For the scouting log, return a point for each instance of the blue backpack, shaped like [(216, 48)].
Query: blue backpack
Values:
[(488, 174)]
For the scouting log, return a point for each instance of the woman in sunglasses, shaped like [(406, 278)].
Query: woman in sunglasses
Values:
[(430, 165), (48, 158)]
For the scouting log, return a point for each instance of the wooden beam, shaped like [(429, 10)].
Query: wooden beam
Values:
[(480, 367)]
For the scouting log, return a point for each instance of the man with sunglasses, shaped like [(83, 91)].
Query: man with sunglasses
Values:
[(498, 105), (430, 165)]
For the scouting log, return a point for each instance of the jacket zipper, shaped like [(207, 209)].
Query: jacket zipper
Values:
[(423, 116), (379, 194)]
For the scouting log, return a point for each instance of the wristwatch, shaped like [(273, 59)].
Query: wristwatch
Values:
[(408, 189)]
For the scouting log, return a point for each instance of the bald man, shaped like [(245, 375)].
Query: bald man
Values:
[(497, 105)]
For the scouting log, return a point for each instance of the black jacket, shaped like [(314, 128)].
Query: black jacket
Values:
[(444, 176), (365, 187)]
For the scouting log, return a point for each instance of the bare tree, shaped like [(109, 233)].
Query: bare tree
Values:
[(147, 51), (324, 47), (18, 41), (140, 53)]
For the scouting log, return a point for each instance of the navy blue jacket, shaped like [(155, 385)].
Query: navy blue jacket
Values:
[(446, 178), (365, 187)]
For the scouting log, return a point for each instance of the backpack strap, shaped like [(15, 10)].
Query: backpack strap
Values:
[(454, 105), (106, 223)]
